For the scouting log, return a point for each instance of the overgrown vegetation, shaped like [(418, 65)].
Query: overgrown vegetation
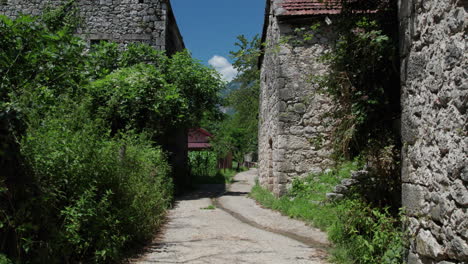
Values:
[(360, 232), (364, 83), (204, 169), (82, 178)]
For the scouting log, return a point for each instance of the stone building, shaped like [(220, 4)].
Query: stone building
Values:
[(294, 115), (125, 21), (122, 21), (434, 72)]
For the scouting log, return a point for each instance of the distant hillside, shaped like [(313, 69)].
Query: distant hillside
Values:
[(232, 86)]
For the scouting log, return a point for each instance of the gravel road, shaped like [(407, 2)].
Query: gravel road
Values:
[(237, 230)]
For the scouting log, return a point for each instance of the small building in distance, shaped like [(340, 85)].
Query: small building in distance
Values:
[(199, 139)]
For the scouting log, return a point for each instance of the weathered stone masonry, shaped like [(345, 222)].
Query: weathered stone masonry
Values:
[(434, 128), (123, 21), (294, 126), (434, 123)]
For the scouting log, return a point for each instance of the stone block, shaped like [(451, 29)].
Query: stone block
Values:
[(413, 198), (334, 196), (413, 259), (409, 125), (349, 182), (427, 245), (460, 193), (300, 108), (458, 249)]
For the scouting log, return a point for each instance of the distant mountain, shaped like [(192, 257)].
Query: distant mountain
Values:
[(232, 86)]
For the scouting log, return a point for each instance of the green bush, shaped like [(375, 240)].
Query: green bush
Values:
[(366, 235), (4, 259), (137, 97), (204, 169), (203, 164), (101, 194)]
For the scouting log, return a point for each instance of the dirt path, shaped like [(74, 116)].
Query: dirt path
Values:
[(236, 231)]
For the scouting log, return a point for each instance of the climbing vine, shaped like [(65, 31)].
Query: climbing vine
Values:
[(364, 83)]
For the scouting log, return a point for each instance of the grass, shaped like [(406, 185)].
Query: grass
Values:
[(361, 234), (300, 208), (209, 207), (305, 200)]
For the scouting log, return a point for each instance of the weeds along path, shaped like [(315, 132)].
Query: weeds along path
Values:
[(214, 225)]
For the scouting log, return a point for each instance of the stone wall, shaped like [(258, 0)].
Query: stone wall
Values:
[(294, 126), (122, 21), (434, 128)]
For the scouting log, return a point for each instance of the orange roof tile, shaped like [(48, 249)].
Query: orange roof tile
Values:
[(310, 7)]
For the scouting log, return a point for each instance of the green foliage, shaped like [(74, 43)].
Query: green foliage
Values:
[(231, 137), (209, 207), (204, 168), (363, 80), (360, 232), (364, 76), (81, 177), (4, 259), (104, 199), (198, 84), (315, 186), (37, 66), (367, 235), (137, 97), (203, 164), (62, 17)]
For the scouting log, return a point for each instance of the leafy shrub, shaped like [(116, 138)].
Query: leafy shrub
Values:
[(137, 97), (4, 259), (367, 235), (363, 81), (204, 169), (105, 197), (203, 163)]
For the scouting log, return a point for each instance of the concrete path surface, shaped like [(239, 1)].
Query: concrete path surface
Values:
[(236, 231)]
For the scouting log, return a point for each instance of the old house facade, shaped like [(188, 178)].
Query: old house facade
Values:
[(294, 116), (122, 21)]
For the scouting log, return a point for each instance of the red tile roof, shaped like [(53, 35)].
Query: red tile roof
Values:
[(310, 7), (198, 139)]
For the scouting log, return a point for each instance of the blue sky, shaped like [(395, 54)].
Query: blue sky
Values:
[(210, 28)]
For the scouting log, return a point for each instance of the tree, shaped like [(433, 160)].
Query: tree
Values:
[(238, 133)]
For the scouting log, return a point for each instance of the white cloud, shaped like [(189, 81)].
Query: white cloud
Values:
[(224, 67)]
